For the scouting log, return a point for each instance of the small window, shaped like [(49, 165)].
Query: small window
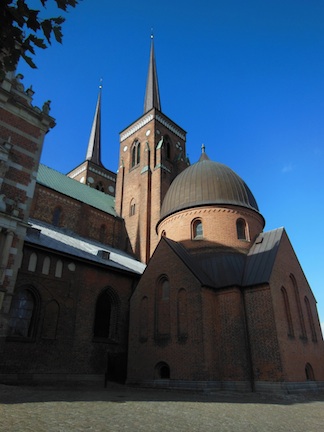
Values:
[(59, 269), (197, 229), (57, 215), (241, 229), (100, 187), (46, 265), (32, 262), (136, 153), (309, 372), (132, 208), (163, 234)]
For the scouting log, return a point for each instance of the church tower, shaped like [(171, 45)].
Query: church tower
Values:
[(91, 171), (152, 154)]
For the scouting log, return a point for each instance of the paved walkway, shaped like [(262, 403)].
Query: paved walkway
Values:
[(119, 408)]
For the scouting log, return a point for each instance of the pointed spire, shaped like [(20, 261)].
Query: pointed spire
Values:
[(152, 94), (94, 145)]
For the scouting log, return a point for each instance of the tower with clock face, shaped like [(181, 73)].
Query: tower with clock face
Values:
[(152, 154)]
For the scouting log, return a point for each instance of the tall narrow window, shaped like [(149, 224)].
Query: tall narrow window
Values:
[(136, 153), (287, 312), (144, 320), (46, 265), (303, 334), (32, 262), (23, 314), (132, 208), (241, 229), (162, 309), (57, 215), (182, 315), (102, 233), (59, 269), (310, 320), (106, 315), (197, 229)]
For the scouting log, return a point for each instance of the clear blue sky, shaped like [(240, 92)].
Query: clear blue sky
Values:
[(244, 77)]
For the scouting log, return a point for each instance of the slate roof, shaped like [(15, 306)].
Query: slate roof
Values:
[(65, 185), (223, 268), (68, 242)]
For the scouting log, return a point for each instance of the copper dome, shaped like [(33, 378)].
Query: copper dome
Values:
[(207, 183)]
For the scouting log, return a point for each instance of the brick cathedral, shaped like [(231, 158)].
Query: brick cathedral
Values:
[(159, 275)]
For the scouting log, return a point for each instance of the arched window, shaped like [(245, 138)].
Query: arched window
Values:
[(144, 319), (162, 308), (310, 320), (303, 334), (57, 216), (197, 229), (287, 312), (309, 372), (241, 229), (32, 262), (50, 320), (23, 313), (136, 153), (163, 234), (132, 207), (46, 265), (59, 269), (106, 316), (102, 233), (182, 315), (100, 187), (162, 371)]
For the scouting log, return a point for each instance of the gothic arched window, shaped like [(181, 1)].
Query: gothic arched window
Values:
[(106, 315), (136, 153), (23, 313)]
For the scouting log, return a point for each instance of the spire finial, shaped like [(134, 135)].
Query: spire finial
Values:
[(152, 33), (100, 83), (203, 148)]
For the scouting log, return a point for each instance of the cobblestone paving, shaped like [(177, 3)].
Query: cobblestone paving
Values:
[(119, 408)]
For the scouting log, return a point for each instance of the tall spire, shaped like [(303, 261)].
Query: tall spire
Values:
[(152, 94), (94, 145)]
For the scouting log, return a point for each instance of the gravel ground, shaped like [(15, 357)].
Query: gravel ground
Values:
[(121, 408)]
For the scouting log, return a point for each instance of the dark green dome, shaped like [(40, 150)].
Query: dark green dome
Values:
[(207, 183)]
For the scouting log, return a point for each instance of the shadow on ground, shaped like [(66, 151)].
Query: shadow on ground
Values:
[(120, 394)]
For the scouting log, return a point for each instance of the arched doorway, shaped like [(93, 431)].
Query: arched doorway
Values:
[(162, 371)]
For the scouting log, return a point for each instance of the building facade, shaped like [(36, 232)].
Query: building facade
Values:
[(173, 284)]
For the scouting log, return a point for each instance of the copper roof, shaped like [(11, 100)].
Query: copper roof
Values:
[(207, 183)]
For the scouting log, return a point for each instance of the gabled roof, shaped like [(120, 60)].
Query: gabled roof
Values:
[(189, 261), (224, 268), (261, 257), (67, 242), (65, 185)]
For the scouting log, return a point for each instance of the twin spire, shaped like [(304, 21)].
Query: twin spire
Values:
[(94, 145), (152, 94), (152, 100)]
